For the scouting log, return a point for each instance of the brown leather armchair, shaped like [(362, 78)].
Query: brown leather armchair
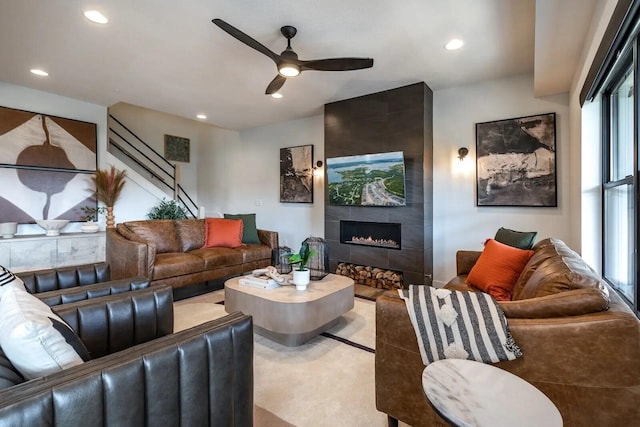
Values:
[(584, 356)]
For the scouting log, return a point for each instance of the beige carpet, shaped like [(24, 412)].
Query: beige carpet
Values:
[(325, 382)]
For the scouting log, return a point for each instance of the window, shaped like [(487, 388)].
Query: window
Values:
[(620, 204)]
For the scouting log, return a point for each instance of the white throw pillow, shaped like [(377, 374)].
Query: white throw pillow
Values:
[(28, 338), (9, 280)]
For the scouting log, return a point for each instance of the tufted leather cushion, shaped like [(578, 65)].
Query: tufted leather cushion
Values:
[(111, 323), (113, 287), (65, 277), (191, 233), (160, 232)]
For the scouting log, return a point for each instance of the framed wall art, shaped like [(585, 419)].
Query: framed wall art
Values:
[(296, 174), (516, 162), (46, 164), (176, 148)]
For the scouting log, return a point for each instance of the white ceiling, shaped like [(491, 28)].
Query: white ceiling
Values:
[(167, 55)]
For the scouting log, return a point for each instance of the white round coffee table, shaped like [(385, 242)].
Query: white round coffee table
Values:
[(468, 393)]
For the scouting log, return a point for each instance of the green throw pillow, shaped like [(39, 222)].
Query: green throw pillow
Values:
[(249, 229), (517, 239)]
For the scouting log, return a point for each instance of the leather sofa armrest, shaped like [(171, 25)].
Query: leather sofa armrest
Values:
[(198, 377), (128, 258), (269, 238), (111, 323), (51, 279), (113, 287), (398, 365), (465, 260)]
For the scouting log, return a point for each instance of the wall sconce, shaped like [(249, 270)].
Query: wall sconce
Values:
[(462, 153), (317, 169)]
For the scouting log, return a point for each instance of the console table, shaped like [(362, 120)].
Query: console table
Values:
[(37, 251), (468, 393)]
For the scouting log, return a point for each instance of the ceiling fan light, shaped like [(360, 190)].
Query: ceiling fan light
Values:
[(288, 70), (276, 95)]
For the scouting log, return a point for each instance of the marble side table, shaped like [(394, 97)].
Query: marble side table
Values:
[(469, 393)]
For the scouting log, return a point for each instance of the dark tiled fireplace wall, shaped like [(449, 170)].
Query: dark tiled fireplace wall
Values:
[(394, 120)]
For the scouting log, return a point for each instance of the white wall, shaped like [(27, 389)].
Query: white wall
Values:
[(23, 98), (151, 126), (457, 222), (585, 144), (240, 173)]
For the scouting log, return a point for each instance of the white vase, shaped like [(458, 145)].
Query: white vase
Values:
[(8, 229), (301, 278), (90, 227)]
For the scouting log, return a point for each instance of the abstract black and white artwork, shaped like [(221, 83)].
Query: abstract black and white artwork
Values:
[(296, 174), (516, 162)]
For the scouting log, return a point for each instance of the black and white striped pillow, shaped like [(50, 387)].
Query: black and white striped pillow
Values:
[(9, 280)]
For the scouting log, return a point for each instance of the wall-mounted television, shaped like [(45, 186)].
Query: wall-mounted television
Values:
[(367, 180)]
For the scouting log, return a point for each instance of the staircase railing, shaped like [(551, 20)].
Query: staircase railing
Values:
[(149, 163)]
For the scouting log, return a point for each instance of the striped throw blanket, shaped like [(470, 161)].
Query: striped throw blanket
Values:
[(458, 325)]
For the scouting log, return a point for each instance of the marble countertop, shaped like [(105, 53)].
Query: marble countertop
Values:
[(469, 393)]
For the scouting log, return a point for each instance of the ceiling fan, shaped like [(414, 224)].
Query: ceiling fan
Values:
[(287, 62)]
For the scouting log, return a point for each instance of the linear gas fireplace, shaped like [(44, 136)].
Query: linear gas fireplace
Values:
[(376, 234)]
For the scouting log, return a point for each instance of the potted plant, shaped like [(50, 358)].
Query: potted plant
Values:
[(109, 185), (90, 216), (301, 274), (167, 209)]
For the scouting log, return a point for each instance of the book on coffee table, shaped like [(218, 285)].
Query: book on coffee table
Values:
[(258, 282)]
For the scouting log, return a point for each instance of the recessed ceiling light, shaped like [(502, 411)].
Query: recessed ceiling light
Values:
[(276, 95), (95, 16), (39, 72), (454, 44), (201, 116)]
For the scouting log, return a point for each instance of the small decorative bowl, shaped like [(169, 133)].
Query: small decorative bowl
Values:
[(52, 226)]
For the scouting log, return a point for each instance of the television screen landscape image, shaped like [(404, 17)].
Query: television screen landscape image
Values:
[(367, 180)]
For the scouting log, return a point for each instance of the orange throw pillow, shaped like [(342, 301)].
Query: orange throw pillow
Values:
[(221, 232), (498, 269)]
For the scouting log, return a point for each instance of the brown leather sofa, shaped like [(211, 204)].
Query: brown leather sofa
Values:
[(141, 373), (580, 343), (170, 252)]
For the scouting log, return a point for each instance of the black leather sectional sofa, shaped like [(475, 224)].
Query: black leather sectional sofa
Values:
[(141, 373)]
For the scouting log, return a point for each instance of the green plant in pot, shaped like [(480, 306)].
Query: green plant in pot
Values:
[(167, 209), (301, 274), (90, 216)]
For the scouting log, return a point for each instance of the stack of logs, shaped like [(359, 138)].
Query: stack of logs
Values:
[(371, 276)]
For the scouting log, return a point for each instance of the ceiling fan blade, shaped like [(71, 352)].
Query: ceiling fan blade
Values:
[(337, 64), (275, 84), (244, 38)]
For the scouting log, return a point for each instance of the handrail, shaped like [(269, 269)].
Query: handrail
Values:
[(144, 155), (129, 155), (144, 161), (144, 143)]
